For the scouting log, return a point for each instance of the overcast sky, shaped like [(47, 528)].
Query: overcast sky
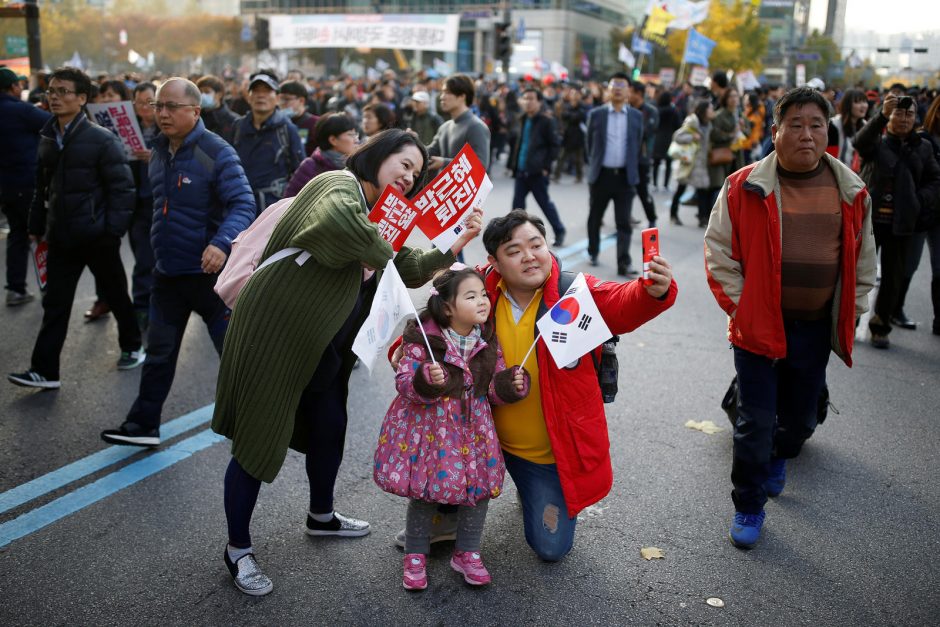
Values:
[(896, 16)]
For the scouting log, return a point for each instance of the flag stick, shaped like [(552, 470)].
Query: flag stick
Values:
[(425, 335), (526, 358)]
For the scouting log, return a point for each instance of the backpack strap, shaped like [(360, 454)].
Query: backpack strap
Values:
[(283, 140)]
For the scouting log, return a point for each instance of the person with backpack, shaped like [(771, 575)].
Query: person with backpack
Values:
[(268, 144), (554, 442), (285, 371), (201, 201)]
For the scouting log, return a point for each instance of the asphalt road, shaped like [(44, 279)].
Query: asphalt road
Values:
[(852, 541)]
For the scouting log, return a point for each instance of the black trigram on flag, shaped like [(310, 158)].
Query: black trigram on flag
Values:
[(585, 322), (571, 290), (559, 338), (370, 335)]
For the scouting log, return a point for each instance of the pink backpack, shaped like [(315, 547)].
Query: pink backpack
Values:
[(247, 249)]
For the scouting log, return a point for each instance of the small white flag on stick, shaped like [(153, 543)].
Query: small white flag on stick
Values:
[(574, 326), (625, 56), (391, 305)]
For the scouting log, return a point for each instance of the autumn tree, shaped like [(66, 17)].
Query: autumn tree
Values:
[(740, 36), (829, 57)]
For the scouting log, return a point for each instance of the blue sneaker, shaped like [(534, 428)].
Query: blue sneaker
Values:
[(777, 477), (745, 530)]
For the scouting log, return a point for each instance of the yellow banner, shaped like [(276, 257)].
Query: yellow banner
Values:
[(400, 59), (657, 22)]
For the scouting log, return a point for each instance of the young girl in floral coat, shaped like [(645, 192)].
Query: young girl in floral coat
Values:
[(438, 443)]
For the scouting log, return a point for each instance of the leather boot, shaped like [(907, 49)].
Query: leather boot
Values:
[(899, 318)]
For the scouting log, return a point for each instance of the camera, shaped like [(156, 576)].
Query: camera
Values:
[(905, 103)]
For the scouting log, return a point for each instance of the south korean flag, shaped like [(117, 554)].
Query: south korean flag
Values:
[(574, 326)]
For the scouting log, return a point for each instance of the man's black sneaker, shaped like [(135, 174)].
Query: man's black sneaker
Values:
[(132, 434), (339, 526), (131, 359), (32, 379), (900, 319)]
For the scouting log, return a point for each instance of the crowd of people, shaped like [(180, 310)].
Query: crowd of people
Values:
[(795, 190)]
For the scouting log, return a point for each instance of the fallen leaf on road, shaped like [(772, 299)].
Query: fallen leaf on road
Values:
[(706, 426), (652, 553)]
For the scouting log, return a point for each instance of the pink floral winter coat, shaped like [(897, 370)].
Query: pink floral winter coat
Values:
[(438, 443)]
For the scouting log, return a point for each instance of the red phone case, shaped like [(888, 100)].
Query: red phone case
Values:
[(650, 250)]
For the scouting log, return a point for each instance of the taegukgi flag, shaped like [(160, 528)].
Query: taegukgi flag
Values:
[(391, 305), (574, 326)]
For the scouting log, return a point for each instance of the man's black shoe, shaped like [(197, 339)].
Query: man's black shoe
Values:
[(559, 240), (132, 434), (594, 261), (900, 319), (625, 270)]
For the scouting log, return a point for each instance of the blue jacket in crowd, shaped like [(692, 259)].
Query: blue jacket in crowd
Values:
[(200, 196), (20, 123), (269, 154)]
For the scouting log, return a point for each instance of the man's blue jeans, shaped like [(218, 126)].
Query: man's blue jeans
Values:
[(778, 405), (548, 530)]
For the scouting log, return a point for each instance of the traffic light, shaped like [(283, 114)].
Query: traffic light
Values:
[(262, 34), (503, 40)]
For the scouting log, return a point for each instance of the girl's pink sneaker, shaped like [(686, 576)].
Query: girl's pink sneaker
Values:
[(470, 565), (415, 578)]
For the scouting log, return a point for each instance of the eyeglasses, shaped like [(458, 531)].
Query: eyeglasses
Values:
[(620, 83), (172, 107), (61, 92)]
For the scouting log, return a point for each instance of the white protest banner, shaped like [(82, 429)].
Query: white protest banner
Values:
[(574, 326), (698, 76), (395, 216), (391, 31), (120, 119), (453, 193), (391, 305)]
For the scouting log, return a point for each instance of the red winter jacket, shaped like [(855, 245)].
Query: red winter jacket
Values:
[(743, 257), (571, 397)]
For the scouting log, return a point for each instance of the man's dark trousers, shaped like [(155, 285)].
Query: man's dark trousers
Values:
[(643, 191), (611, 185), (893, 260), (173, 299), (778, 406), (16, 208), (538, 185), (64, 267), (139, 236)]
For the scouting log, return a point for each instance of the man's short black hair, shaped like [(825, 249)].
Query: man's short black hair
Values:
[(499, 230), (81, 80), (620, 76), (117, 87), (369, 157), (639, 86), (142, 87), (533, 90), (294, 88), (800, 96), (720, 78), (331, 125), (460, 85)]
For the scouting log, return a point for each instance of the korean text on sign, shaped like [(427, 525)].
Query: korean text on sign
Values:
[(395, 217)]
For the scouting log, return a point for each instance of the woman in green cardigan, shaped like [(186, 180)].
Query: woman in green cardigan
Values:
[(287, 359)]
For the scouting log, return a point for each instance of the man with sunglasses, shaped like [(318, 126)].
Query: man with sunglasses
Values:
[(82, 208), (201, 201)]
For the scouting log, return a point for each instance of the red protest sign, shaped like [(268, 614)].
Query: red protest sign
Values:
[(395, 216), (40, 256), (443, 204)]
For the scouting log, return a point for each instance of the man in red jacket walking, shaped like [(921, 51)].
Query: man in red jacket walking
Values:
[(790, 257)]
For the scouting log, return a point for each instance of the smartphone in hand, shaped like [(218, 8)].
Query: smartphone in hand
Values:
[(650, 250)]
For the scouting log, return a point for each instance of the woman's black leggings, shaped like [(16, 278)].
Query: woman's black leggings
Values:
[(666, 174), (325, 413)]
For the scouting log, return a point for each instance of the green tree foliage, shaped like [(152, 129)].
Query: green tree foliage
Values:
[(829, 57)]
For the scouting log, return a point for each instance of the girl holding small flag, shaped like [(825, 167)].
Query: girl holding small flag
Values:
[(438, 443)]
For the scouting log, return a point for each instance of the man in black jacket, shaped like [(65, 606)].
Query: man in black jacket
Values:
[(531, 160), (904, 180), (82, 207)]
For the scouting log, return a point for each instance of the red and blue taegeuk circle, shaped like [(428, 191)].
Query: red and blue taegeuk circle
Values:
[(565, 311)]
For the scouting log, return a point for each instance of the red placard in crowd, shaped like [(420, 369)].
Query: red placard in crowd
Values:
[(40, 255), (453, 193), (395, 216)]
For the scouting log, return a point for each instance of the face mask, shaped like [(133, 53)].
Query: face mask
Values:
[(207, 101)]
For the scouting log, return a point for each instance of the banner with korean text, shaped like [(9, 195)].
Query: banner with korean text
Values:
[(453, 193), (120, 119), (392, 31)]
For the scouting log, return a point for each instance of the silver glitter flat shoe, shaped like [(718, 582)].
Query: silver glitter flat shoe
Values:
[(247, 575), (339, 526)]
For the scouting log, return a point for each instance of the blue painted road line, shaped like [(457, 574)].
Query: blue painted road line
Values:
[(95, 462), (72, 502), (579, 248)]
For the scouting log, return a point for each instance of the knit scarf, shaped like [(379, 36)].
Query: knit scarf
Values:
[(464, 343), (338, 158)]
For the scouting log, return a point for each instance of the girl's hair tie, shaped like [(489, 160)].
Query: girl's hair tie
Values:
[(434, 291)]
